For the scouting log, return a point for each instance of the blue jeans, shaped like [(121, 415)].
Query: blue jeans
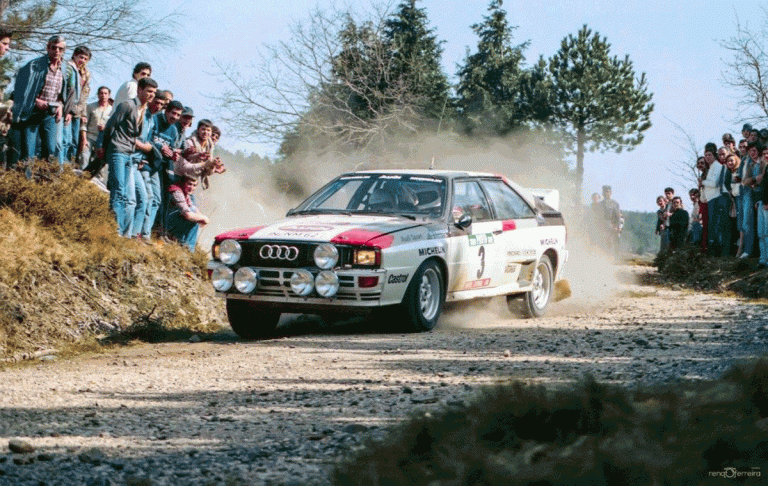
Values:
[(154, 197), (762, 232), (747, 222), (181, 229), (140, 190), (122, 190), (70, 138), (718, 230), (23, 137)]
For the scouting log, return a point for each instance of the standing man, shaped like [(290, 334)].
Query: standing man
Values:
[(79, 88), (129, 89), (5, 112), (92, 131), (612, 220), (121, 140), (678, 224), (38, 94), (717, 203)]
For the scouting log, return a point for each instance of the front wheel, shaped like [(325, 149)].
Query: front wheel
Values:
[(535, 301), (249, 321), (424, 298)]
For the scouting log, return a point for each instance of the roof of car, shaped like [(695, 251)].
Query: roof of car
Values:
[(428, 172)]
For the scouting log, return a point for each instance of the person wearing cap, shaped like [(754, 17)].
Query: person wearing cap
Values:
[(38, 93), (612, 215)]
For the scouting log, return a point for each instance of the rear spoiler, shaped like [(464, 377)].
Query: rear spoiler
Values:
[(550, 197)]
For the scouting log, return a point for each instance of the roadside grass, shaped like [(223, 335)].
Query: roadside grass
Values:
[(66, 276), (590, 433)]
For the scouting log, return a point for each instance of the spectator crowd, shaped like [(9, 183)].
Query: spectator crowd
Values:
[(728, 214), (140, 136)]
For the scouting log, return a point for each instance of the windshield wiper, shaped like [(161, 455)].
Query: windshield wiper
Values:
[(322, 211)]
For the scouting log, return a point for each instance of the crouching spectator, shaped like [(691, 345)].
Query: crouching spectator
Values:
[(184, 219)]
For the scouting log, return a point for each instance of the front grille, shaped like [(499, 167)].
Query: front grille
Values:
[(251, 256)]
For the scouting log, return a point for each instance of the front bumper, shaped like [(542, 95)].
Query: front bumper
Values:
[(274, 290)]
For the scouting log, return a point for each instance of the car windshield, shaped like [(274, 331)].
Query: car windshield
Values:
[(379, 193)]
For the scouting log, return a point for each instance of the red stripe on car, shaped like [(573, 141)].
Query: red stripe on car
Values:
[(508, 225), (238, 234), (360, 237)]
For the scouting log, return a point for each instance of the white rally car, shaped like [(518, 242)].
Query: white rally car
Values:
[(396, 242)]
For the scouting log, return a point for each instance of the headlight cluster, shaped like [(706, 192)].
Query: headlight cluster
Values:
[(302, 282)]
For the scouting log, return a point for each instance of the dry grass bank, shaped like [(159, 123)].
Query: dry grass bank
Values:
[(66, 277)]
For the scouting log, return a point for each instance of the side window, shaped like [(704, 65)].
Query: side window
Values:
[(468, 198), (508, 204)]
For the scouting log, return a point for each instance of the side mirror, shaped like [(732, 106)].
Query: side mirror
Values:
[(465, 221)]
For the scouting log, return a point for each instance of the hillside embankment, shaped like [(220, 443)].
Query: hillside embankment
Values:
[(68, 281)]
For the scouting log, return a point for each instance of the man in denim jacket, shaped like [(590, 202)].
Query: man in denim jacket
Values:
[(39, 95)]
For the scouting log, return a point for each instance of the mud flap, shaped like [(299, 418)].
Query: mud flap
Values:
[(562, 290)]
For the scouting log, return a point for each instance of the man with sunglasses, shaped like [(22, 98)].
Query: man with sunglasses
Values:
[(39, 94)]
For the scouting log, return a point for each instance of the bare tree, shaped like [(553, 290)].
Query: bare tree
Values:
[(747, 67), (684, 170), (332, 81), (120, 28)]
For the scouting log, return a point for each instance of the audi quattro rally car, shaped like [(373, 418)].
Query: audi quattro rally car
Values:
[(405, 240)]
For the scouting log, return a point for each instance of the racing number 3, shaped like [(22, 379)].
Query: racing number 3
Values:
[(481, 254)]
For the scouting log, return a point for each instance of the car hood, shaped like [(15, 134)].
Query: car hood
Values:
[(355, 229)]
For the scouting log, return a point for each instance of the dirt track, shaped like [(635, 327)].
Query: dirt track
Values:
[(282, 411)]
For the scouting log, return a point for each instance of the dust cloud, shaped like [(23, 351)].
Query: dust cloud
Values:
[(250, 196)]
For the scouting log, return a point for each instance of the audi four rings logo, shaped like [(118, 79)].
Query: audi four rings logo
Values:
[(279, 252)]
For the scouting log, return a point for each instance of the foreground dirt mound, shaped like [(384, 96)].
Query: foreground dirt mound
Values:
[(589, 434), (65, 275)]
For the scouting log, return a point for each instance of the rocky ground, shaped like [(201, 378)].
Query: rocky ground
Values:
[(282, 411)]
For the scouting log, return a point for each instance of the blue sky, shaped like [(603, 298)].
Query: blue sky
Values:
[(675, 43)]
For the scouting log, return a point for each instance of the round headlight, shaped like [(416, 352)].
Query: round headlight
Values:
[(302, 282), (221, 278), (327, 283), (246, 279), (230, 251), (326, 256)]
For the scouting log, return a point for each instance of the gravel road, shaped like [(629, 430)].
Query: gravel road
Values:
[(283, 411)]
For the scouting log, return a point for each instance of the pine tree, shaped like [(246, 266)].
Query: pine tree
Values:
[(489, 87), (597, 98), (415, 62)]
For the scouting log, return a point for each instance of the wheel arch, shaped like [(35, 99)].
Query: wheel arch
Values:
[(443, 268), (553, 259)]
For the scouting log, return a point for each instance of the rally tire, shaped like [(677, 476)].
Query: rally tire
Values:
[(424, 298), (249, 321), (535, 302)]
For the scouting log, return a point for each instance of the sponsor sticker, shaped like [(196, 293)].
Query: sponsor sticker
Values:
[(511, 267), (412, 237), (476, 284), (432, 250), (437, 234), (481, 239), (518, 253), (549, 241), (397, 279)]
